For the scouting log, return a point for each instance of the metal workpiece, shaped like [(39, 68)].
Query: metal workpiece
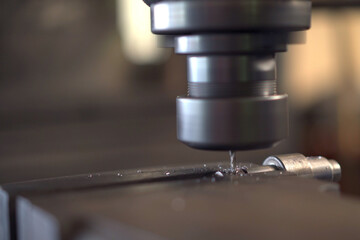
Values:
[(258, 169), (318, 167), (232, 101), (232, 123)]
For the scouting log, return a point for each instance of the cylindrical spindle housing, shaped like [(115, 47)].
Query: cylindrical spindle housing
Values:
[(232, 102)]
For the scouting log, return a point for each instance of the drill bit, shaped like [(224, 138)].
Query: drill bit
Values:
[(232, 160)]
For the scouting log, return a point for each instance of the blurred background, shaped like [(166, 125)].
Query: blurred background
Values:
[(84, 88)]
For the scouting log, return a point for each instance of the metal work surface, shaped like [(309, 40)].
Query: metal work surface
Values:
[(10, 192), (15, 208), (211, 196), (206, 207)]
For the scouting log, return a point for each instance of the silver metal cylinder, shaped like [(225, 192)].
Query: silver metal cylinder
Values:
[(232, 123), (318, 167), (232, 103)]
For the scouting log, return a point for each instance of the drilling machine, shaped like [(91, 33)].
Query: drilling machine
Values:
[(232, 104), (232, 101)]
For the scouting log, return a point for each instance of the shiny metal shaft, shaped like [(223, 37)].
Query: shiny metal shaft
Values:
[(317, 167)]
